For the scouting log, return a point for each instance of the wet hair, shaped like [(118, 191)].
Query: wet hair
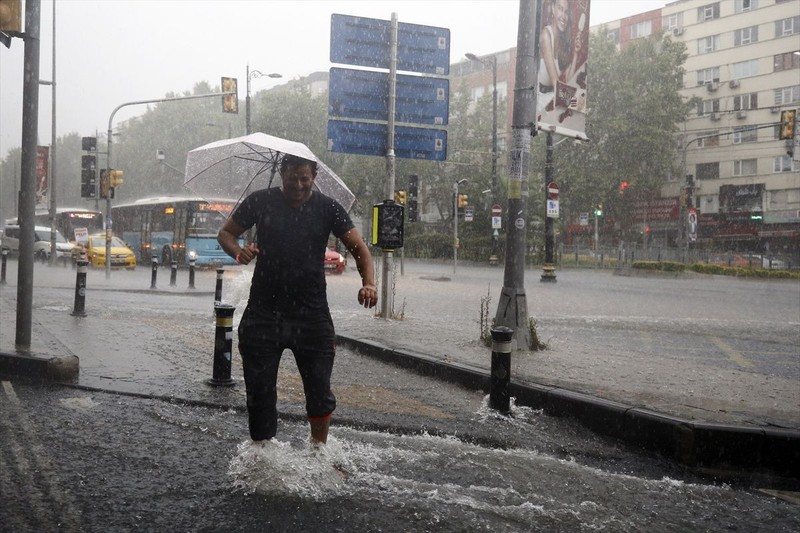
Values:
[(290, 160)]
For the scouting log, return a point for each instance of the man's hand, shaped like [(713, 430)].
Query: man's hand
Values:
[(247, 254), (368, 296)]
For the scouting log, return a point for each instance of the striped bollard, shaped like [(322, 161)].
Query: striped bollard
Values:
[(223, 341), (218, 290), (154, 271), (3, 267), (499, 397), (80, 290), (173, 273), (191, 273)]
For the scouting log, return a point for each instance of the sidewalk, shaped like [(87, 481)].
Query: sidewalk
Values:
[(618, 376)]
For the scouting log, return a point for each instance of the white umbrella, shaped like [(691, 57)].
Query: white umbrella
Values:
[(235, 167)]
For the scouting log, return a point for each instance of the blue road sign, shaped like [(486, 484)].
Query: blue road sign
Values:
[(366, 42), (363, 95), (367, 138)]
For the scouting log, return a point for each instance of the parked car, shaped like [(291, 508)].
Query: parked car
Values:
[(335, 262), (95, 252), (41, 244)]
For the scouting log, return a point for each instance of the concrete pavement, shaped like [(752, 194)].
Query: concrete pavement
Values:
[(758, 437)]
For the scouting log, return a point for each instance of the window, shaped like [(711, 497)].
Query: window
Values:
[(745, 5), (745, 36), (787, 61), (707, 75), (707, 171), (784, 163), (613, 35), (788, 26), (745, 167), (745, 69), (477, 93), (642, 29), (708, 44), (502, 90), (787, 95), (745, 134), (708, 106), (708, 12), (745, 101), (708, 139), (672, 21)]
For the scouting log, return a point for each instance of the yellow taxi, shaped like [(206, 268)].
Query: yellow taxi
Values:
[(94, 251)]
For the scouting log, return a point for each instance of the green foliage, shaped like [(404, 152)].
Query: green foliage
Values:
[(704, 268)]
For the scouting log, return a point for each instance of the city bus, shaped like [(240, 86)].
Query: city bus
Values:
[(67, 220), (174, 228)]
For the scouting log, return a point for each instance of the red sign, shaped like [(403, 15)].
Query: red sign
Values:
[(552, 190), (496, 210)]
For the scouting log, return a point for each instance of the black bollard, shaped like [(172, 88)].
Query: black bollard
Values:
[(80, 290), (154, 272), (173, 274), (191, 273), (218, 290), (499, 398), (223, 340), (3, 268)]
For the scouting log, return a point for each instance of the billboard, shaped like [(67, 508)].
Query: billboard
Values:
[(563, 52), (42, 171)]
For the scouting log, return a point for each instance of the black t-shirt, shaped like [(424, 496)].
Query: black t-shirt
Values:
[(290, 274)]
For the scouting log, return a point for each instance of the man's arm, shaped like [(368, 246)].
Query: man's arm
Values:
[(228, 238), (368, 294)]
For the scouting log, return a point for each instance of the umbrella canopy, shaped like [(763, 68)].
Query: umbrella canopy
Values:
[(236, 167)]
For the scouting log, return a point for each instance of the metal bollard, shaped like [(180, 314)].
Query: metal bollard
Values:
[(499, 398), (218, 290), (80, 290), (223, 340), (3, 267), (154, 271), (191, 273), (173, 274)]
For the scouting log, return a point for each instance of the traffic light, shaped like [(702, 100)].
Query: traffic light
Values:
[(788, 119), (400, 197), (88, 144), (598, 210), (622, 186), (88, 176), (230, 102), (413, 193), (463, 201), (115, 178), (104, 183), (387, 225), (11, 16)]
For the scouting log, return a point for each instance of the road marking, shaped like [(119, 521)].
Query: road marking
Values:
[(733, 354)]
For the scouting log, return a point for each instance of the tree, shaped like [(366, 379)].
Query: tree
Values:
[(634, 110)]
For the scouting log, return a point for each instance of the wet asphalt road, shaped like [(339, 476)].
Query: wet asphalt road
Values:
[(80, 460)]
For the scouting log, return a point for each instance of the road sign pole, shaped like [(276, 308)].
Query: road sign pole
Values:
[(388, 188)]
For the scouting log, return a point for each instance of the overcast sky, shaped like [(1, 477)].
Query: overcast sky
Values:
[(110, 52)]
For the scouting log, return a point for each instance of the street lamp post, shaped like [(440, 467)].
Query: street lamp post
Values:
[(492, 62), (251, 74)]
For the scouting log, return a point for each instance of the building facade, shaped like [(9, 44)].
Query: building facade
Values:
[(744, 66)]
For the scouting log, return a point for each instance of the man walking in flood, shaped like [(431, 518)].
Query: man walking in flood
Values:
[(288, 304)]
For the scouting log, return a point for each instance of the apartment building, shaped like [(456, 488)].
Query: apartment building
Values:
[(744, 66)]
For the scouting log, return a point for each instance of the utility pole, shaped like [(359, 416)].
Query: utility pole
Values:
[(27, 192), (512, 308)]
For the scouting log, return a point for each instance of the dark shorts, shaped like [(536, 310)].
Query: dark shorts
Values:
[(263, 336)]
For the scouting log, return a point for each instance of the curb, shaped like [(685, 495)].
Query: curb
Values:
[(53, 368), (741, 453)]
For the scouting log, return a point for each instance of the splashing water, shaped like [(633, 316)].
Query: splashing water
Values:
[(277, 468)]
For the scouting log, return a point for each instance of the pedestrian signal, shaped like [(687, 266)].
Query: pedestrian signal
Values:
[(387, 225), (88, 176)]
